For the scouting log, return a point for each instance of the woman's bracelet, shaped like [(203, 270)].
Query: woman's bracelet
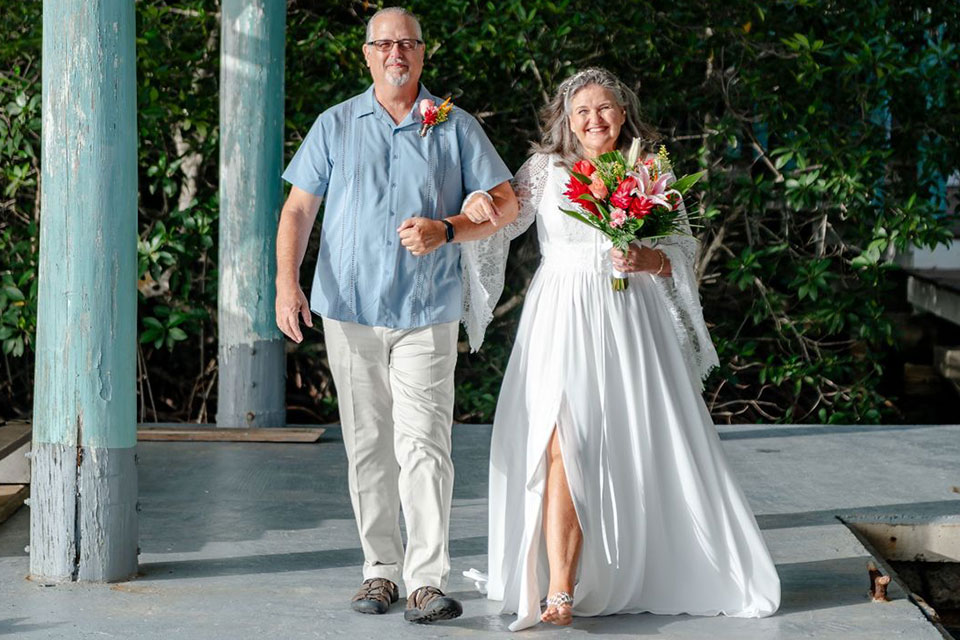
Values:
[(663, 263)]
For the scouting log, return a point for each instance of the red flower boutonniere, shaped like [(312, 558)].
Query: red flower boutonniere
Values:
[(432, 114)]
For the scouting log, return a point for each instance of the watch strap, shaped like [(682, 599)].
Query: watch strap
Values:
[(450, 229)]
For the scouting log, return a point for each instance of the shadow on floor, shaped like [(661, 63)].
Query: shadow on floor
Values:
[(824, 584), (824, 430), (281, 562), (13, 626)]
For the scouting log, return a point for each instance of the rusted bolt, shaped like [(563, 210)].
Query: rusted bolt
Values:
[(250, 416), (878, 584)]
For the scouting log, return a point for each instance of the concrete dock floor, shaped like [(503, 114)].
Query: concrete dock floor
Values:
[(247, 540)]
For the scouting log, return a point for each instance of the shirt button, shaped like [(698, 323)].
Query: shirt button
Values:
[(395, 156), (393, 185)]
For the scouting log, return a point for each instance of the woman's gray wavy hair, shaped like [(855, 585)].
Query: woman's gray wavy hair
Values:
[(556, 137)]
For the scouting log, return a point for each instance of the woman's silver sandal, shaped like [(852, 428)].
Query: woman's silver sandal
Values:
[(559, 599)]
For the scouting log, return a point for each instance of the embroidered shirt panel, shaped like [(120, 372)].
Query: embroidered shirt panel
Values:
[(374, 174)]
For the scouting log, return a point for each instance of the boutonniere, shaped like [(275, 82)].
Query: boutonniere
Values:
[(432, 114)]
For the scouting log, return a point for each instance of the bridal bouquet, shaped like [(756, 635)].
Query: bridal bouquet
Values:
[(628, 198)]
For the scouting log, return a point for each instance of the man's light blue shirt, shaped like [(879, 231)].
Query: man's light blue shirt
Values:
[(375, 174)]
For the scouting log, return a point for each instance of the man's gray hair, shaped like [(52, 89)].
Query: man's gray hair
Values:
[(556, 137), (400, 11)]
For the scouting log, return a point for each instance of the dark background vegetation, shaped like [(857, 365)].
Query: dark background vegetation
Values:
[(826, 128)]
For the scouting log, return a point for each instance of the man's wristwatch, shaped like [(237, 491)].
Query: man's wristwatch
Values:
[(450, 229)]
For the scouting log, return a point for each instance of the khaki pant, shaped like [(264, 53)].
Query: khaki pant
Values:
[(395, 392)]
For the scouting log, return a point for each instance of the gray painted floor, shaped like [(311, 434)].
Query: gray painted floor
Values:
[(258, 541)]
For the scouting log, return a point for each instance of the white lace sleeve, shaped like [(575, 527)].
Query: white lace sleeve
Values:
[(683, 301), (528, 184), (484, 262)]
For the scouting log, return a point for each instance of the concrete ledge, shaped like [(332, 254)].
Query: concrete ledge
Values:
[(937, 292)]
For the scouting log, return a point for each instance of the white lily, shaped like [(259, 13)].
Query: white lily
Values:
[(633, 153)]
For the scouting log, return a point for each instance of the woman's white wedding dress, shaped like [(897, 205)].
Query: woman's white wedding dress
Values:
[(666, 528)]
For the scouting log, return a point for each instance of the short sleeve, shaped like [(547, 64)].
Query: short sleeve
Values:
[(312, 165), (480, 164)]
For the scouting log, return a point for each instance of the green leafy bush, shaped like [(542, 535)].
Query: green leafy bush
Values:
[(826, 130)]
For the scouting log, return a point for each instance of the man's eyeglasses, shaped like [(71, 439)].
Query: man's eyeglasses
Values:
[(407, 44)]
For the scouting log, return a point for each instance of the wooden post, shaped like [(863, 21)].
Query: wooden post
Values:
[(83, 521), (251, 383)]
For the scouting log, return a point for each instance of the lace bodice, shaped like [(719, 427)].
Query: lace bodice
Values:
[(566, 243)]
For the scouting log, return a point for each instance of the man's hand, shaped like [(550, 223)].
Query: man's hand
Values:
[(290, 307), (422, 235), (296, 220), (480, 208)]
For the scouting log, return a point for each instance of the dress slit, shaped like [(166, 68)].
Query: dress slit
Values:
[(535, 566)]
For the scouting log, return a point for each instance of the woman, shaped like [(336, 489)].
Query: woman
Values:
[(609, 491)]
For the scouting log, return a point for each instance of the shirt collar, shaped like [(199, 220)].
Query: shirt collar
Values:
[(369, 105)]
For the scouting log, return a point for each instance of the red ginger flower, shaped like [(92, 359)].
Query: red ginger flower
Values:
[(640, 207), (575, 189), (622, 195)]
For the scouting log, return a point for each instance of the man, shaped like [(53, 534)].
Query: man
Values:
[(387, 286)]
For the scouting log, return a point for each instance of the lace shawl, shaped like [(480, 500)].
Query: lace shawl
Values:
[(484, 264), (683, 301)]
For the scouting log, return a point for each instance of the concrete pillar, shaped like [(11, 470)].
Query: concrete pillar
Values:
[(251, 381), (83, 521)]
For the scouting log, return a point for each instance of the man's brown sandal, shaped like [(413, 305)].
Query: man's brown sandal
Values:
[(429, 604), (375, 596)]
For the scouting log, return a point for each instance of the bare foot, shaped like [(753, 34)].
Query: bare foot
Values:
[(559, 609), (561, 615)]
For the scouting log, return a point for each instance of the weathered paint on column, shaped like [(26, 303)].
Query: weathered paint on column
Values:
[(83, 522), (251, 368)]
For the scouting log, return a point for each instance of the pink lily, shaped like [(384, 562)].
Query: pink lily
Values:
[(654, 190)]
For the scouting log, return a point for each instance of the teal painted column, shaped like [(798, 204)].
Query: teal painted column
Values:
[(252, 371), (83, 520)]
